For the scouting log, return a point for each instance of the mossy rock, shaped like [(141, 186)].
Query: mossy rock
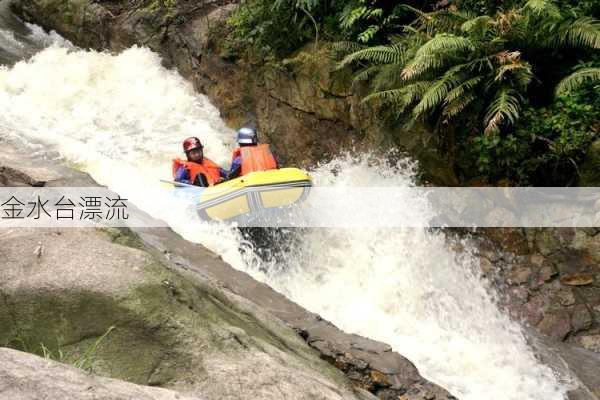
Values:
[(171, 328)]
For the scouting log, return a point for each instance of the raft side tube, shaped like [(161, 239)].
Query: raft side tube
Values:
[(253, 193)]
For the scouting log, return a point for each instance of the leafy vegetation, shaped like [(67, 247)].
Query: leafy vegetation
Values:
[(85, 361), (577, 79), (276, 28), (516, 81), (449, 62), (168, 5), (546, 147)]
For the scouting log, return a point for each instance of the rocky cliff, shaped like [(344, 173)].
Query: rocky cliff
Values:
[(305, 109), (551, 279)]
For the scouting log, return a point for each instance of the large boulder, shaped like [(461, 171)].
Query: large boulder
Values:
[(25, 376), (170, 328), (577, 367), (369, 364)]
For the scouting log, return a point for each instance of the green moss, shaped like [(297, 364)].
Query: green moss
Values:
[(85, 360), (65, 325), (123, 236), (159, 6)]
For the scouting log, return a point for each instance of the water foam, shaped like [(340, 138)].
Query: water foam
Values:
[(19, 40), (9, 42), (122, 118)]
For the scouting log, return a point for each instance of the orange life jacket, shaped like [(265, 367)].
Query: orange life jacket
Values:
[(208, 168), (255, 158)]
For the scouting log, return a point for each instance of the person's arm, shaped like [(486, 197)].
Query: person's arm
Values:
[(183, 175), (236, 168)]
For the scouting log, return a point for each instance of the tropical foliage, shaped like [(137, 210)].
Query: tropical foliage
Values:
[(281, 26), (547, 145), (515, 83), (577, 79), (449, 63)]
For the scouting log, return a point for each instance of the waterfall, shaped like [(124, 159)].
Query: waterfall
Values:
[(122, 118)]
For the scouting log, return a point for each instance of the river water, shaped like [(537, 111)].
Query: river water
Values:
[(122, 118)]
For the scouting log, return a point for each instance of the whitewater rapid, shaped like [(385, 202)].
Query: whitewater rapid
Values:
[(122, 118)]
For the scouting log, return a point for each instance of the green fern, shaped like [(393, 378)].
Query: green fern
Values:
[(503, 109), (542, 8), (352, 15), (367, 73), (577, 79), (309, 5), (583, 32), (403, 97), (387, 76), (368, 34), (516, 69), (444, 42), (341, 49), (446, 60), (457, 106), (477, 25), (393, 54), (392, 96), (463, 89), (425, 63), (436, 94)]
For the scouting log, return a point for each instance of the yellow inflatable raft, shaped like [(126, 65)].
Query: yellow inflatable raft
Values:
[(254, 193)]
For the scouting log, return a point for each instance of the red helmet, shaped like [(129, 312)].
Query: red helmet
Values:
[(191, 143)]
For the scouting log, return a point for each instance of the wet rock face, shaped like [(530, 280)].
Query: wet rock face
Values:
[(582, 367), (551, 280), (305, 110), (372, 365)]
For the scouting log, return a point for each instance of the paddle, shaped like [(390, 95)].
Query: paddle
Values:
[(179, 184)]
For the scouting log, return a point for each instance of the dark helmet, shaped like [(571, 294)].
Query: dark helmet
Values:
[(191, 143), (247, 135)]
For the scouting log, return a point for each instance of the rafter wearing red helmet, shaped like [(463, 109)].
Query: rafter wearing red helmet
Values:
[(197, 169)]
